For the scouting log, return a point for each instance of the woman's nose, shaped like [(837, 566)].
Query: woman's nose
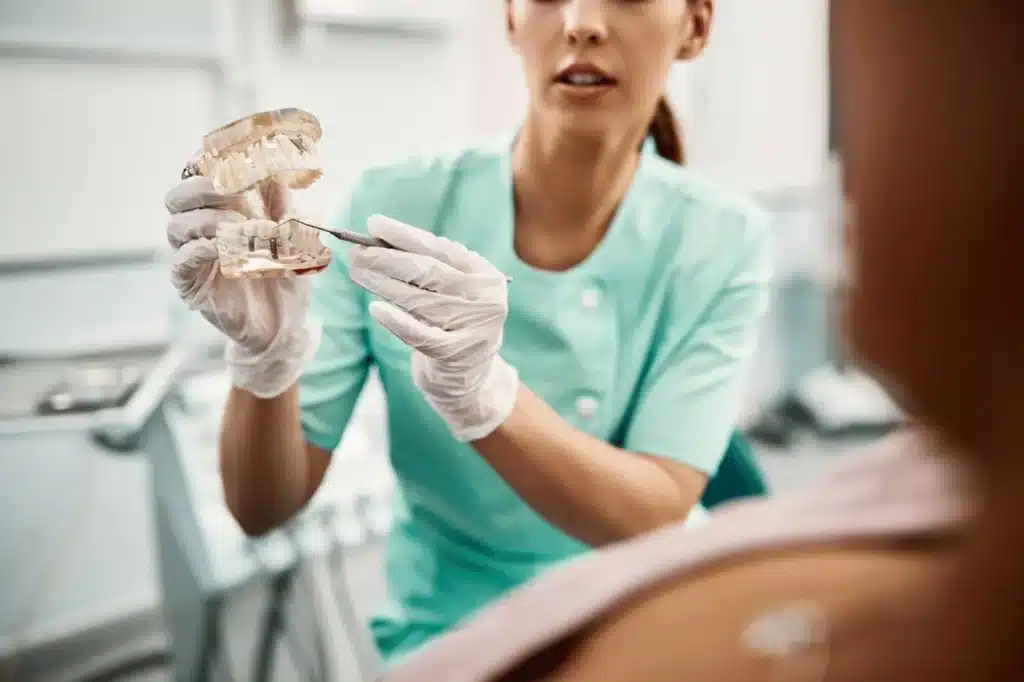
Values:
[(585, 22)]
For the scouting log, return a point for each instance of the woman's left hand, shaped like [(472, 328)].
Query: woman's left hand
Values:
[(449, 304)]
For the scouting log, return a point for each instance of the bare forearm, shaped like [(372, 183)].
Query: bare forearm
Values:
[(592, 491), (264, 462)]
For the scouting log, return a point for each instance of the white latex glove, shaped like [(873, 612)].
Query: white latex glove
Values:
[(449, 304), (264, 319)]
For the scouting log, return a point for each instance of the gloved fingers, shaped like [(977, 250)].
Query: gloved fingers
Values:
[(424, 272), (193, 267), (413, 239), (200, 223), (198, 192), (433, 308), (412, 332), (403, 295)]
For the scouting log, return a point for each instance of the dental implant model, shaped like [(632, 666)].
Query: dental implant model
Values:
[(248, 157)]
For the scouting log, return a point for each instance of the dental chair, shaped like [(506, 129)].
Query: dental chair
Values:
[(234, 608)]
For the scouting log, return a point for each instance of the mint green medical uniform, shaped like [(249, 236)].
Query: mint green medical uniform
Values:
[(643, 345)]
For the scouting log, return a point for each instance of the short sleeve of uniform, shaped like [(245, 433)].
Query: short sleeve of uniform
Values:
[(689, 401), (334, 378)]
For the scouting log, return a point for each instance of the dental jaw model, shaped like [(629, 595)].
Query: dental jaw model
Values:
[(245, 158)]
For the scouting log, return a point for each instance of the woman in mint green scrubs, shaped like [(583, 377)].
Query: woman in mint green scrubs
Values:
[(561, 341), (635, 295)]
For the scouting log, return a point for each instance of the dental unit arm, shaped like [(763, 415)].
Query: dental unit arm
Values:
[(118, 427)]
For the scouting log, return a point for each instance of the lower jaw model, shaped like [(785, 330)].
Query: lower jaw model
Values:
[(241, 158), (259, 248)]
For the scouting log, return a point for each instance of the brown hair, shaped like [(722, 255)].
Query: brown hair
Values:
[(667, 133)]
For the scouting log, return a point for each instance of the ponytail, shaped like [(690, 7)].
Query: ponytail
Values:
[(666, 133)]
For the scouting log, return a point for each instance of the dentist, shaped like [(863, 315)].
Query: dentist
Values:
[(584, 403)]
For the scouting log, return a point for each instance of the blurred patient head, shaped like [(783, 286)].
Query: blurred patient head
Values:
[(931, 129), (597, 68)]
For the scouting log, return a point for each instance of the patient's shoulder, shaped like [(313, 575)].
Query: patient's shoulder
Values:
[(896, 490)]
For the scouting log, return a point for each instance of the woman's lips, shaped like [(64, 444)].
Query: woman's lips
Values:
[(583, 82)]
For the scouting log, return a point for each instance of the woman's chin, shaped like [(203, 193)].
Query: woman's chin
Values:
[(585, 123)]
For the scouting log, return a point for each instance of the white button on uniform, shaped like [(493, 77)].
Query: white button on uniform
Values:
[(590, 299), (586, 406)]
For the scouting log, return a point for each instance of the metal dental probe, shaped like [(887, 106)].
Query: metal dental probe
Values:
[(354, 237)]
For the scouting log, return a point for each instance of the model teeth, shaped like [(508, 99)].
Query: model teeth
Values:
[(278, 145), (292, 160), (273, 249)]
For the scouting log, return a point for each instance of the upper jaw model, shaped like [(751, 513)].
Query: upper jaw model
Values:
[(243, 158)]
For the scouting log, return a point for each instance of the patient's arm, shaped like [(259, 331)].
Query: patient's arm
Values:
[(693, 630)]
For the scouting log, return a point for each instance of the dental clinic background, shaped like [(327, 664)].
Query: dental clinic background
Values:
[(103, 102)]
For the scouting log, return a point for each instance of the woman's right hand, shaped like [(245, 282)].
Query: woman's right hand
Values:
[(264, 319)]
